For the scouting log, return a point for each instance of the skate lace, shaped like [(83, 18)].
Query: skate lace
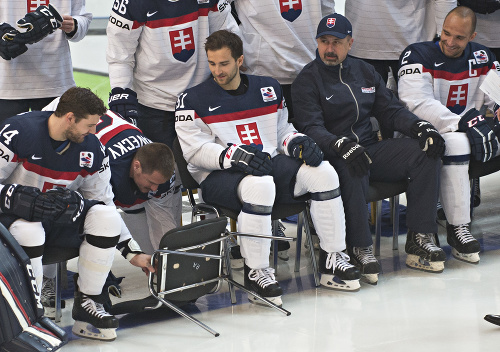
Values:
[(463, 234), (364, 255), (426, 241), (339, 260), (48, 288), (263, 277), (94, 308)]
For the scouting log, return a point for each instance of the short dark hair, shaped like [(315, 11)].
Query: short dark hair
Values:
[(225, 39), (156, 157), (81, 102), (464, 12)]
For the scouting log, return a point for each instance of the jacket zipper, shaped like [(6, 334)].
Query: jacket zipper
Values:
[(355, 100)]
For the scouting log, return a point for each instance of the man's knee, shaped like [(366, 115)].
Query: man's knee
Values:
[(30, 235), (258, 190), (102, 226)]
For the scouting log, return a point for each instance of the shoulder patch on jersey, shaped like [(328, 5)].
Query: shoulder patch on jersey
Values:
[(481, 56), (268, 94), (86, 159)]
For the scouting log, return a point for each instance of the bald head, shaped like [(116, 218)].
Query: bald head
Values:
[(465, 14), (458, 30)]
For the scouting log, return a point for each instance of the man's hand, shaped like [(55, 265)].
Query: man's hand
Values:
[(9, 49), (124, 102), (429, 139), (143, 261), (38, 24), (357, 160), (303, 147), (482, 138), (247, 159)]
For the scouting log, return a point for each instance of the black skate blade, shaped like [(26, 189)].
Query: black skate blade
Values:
[(494, 319)]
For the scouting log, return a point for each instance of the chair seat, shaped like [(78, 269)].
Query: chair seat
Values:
[(53, 255)]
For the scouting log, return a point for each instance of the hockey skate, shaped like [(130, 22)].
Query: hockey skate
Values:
[(423, 253), (91, 319), (464, 247), (263, 282), (48, 298), (337, 273), (283, 246), (368, 265)]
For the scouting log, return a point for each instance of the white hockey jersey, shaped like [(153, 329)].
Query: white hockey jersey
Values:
[(156, 47), (382, 29), (208, 118), (441, 89), (45, 70), (279, 35)]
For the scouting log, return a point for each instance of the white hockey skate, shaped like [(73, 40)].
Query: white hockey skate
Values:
[(464, 247), (91, 319), (337, 273), (423, 253)]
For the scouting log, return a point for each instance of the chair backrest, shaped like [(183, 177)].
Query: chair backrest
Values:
[(187, 180), (178, 270)]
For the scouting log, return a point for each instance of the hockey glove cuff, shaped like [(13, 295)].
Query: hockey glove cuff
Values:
[(357, 160), (123, 101), (482, 138), (246, 158), (429, 139), (303, 147), (129, 249)]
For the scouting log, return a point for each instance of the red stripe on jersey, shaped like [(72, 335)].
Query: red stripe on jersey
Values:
[(108, 135), (44, 172), (169, 22), (137, 201), (450, 76), (240, 115), (136, 24)]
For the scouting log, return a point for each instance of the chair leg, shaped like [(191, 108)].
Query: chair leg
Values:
[(311, 246), (58, 289), (298, 248), (275, 244), (378, 227), (395, 222)]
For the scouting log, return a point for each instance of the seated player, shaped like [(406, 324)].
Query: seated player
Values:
[(234, 134)]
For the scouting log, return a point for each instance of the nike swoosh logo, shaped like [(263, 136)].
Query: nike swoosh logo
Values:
[(150, 14), (212, 109), (330, 97), (437, 65), (35, 157)]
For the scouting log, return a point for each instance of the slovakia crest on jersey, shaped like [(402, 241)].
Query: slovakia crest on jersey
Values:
[(249, 133), (290, 9), (268, 94), (481, 56), (182, 44), (457, 98), (33, 4), (86, 159)]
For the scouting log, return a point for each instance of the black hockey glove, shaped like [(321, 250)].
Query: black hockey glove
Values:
[(481, 6), (247, 159), (29, 203), (482, 139), (429, 139), (9, 49), (38, 24), (357, 160), (124, 102), (303, 147), (71, 202)]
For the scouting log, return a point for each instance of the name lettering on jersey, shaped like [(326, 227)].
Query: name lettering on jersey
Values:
[(457, 98), (290, 9), (368, 90), (409, 71), (33, 4), (182, 44), (268, 94), (249, 133), (118, 23), (126, 145), (5, 155), (179, 117), (86, 159)]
